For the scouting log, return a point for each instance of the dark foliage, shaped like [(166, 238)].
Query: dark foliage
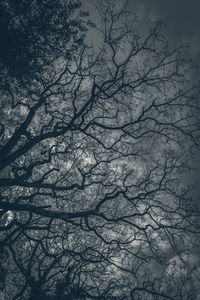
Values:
[(94, 150), (35, 33)]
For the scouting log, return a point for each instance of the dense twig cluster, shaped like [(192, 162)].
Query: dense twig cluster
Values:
[(92, 159)]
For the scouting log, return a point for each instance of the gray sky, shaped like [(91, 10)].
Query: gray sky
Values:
[(181, 18)]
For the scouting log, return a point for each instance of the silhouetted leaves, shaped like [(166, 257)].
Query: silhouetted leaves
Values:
[(35, 33), (94, 148)]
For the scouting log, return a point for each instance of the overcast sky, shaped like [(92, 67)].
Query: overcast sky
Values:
[(182, 19)]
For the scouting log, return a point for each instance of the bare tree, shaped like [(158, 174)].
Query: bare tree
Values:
[(94, 204)]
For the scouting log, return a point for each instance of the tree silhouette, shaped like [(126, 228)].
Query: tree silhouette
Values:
[(94, 204), (35, 34)]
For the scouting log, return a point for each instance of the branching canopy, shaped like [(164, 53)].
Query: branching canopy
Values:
[(94, 204)]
